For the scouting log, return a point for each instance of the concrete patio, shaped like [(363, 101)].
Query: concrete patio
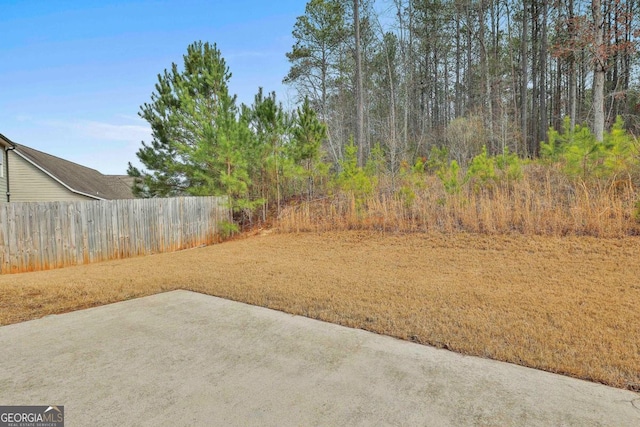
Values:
[(187, 359)]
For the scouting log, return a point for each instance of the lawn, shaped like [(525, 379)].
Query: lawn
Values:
[(566, 305)]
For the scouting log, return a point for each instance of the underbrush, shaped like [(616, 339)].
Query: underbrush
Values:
[(578, 186), (542, 201)]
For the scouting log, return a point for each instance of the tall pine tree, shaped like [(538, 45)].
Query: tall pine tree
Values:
[(197, 145)]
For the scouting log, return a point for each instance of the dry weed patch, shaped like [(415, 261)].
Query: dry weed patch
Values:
[(567, 305), (543, 203)]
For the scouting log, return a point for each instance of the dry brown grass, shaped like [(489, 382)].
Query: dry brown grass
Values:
[(566, 305), (543, 203)]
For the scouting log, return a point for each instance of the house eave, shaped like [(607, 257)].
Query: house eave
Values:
[(7, 141)]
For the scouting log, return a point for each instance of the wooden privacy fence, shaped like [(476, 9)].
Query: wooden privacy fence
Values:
[(40, 236)]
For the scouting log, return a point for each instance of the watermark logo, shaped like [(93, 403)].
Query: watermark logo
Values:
[(32, 416)]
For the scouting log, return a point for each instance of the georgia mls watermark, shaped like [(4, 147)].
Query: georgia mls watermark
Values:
[(32, 416)]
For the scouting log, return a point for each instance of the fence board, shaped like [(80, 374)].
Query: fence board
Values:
[(43, 235)]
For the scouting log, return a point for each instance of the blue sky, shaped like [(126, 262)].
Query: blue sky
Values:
[(73, 74)]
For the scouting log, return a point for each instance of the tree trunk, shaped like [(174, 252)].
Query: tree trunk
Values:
[(484, 67), (458, 84), (535, 72), (405, 47), (573, 81), (599, 70), (544, 122), (524, 84), (359, 91), (468, 78)]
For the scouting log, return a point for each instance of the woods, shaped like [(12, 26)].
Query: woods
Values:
[(433, 111), (431, 68)]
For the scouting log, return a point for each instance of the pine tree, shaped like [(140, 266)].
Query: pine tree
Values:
[(197, 145), (317, 58), (308, 135), (270, 124)]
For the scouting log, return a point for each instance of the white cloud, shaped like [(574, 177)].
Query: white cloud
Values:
[(102, 145), (130, 118), (122, 140), (109, 161), (126, 133), (23, 118), (105, 131)]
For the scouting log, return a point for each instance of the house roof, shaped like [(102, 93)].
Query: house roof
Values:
[(6, 141), (77, 178)]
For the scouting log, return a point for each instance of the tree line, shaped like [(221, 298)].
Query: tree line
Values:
[(464, 73), (390, 86)]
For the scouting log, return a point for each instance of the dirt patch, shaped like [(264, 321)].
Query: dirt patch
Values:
[(566, 305)]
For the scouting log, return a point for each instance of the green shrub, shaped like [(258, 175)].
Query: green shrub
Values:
[(438, 158), (450, 177), (621, 150), (482, 171), (227, 229), (486, 171), (353, 179), (407, 196), (509, 165), (376, 163), (584, 157)]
